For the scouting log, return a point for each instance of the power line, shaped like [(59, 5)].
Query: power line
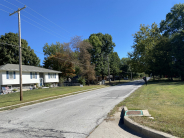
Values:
[(33, 25), (28, 13), (42, 26), (37, 51), (45, 18), (37, 18), (39, 27), (6, 7), (35, 22), (11, 3), (4, 10)]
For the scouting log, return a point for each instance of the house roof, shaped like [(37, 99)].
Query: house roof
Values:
[(26, 68)]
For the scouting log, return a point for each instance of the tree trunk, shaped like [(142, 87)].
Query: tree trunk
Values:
[(102, 76)]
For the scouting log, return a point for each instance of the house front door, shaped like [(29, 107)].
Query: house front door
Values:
[(41, 81)]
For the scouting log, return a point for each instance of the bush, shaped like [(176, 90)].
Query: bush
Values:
[(81, 81), (47, 85), (95, 82), (14, 90), (61, 80), (39, 87)]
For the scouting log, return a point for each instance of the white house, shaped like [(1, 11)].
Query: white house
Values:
[(31, 75)]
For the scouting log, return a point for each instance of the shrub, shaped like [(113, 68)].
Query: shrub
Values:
[(61, 79), (47, 85), (37, 85), (81, 80), (14, 90), (95, 82)]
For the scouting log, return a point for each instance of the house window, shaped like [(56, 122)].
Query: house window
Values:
[(10, 75), (33, 75), (52, 75)]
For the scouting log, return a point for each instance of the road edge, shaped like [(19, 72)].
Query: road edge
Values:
[(148, 132)]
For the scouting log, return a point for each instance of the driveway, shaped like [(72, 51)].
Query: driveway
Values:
[(72, 117)]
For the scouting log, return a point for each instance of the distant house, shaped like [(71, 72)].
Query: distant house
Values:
[(31, 75)]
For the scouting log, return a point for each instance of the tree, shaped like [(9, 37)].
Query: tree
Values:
[(174, 20), (114, 64), (10, 54), (102, 47), (61, 62), (82, 48), (124, 67), (162, 55), (70, 58), (60, 57), (144, 43), (177, 44), (172, 27), (160, 51)]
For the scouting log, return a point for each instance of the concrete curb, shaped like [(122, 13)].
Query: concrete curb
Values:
[(148, 132), (53, 97)]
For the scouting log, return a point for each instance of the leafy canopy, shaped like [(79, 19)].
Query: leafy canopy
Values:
[(10, 54)]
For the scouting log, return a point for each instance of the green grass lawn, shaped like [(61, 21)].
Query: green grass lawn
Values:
[(31, 95), (164, 101)]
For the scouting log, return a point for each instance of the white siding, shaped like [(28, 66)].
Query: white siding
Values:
[(0, 78), (25, 78), (47, 80), (6, 81)]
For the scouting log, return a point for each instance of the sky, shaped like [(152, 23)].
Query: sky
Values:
[(51, 21)]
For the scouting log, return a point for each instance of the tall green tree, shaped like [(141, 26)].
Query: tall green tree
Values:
[(174, 21), (114, 64), (172, 27), (162, 58), (10, 54), (102, 47), (124, 66), (144, 43), (177, 44)]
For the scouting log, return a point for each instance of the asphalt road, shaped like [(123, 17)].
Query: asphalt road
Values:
[(71, 117)]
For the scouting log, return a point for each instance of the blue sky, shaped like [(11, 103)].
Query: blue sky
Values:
[(48, 21)]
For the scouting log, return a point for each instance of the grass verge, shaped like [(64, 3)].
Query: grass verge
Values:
[(164, 100), (38, 94)]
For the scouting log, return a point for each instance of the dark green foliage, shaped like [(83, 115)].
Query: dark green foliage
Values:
[(102, 47), (177, 44), (81, 80), (174, 21), (160, 50), (125, 66), (114, 64), (10, 54)]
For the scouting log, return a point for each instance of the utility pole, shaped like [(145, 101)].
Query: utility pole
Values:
[(108, 69), (20, 53)]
